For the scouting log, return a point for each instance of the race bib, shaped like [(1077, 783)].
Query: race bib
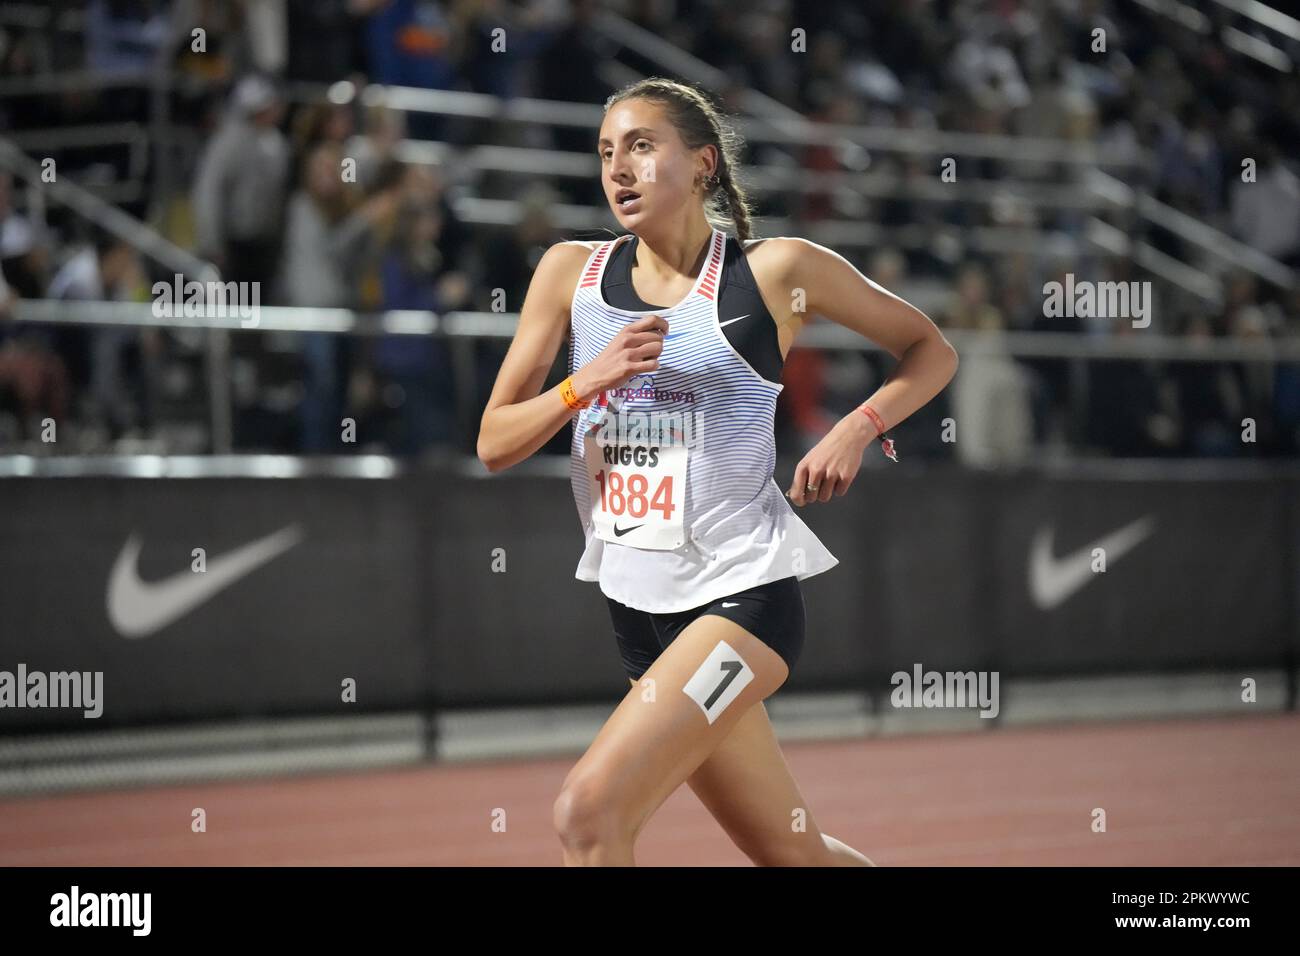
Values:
[(638, 489)]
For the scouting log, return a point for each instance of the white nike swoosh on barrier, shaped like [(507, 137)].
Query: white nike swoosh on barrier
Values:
[(736, 319), (1052, 580), (139, 608)]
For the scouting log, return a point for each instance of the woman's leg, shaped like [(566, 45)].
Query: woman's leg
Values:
[(672, 719), (747, 786)]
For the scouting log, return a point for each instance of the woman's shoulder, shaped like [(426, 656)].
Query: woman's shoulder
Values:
[(778, 246), (570, 249), (776, 256), (590, 245), (558, 269), (566, 255)]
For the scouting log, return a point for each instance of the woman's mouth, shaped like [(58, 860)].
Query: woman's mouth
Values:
[(627, 200)]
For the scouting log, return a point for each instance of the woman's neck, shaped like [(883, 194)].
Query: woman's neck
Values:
[(674, 252)]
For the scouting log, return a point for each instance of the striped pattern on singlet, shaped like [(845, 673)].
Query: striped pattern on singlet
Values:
[(741, 531)]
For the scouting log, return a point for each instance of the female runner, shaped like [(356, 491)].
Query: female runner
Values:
[(696, 550)]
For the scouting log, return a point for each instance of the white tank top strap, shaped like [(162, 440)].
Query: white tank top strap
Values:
[(594, 270)]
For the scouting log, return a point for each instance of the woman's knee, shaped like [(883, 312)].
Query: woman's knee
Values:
[(588, 812)]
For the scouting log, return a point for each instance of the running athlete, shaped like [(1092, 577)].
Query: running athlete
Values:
[(695, 548)]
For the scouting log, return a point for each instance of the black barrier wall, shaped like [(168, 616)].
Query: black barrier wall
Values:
[(437, 590)]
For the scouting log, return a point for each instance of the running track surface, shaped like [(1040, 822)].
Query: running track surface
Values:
[(1205, 792)]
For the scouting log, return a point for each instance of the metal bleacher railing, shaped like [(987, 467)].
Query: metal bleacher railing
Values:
[(1090, 190), (1260, 32)]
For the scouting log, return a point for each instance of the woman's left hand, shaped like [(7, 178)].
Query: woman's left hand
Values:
[(834, 461)]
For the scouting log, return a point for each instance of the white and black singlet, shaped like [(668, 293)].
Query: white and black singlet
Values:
[(672, 473)]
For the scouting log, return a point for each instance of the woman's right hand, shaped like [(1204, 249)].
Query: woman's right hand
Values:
[(633, 351)]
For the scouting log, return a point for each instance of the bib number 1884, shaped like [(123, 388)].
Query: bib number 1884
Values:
[(638, 504), (621, 495)]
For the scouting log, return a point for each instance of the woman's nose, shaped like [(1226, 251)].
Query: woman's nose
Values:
[(620, 169)]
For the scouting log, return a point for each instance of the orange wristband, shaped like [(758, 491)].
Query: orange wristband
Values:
[(571, 395)]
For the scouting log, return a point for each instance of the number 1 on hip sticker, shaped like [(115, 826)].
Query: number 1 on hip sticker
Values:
[(719, 680)]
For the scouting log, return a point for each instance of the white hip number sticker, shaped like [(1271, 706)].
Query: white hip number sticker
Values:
[(719, 680)]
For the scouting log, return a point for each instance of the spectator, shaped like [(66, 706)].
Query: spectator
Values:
[(424, 185), (266, 25), (1190, 110), (208, 39), (314, 274), (110, 271), (491, 42), (969, 307), (384, 129), (509, 259), (409, 44), (415, 278), (991, 394), (24, 255), (33, 380), (239, 195), (319, 123), (1266, 213)]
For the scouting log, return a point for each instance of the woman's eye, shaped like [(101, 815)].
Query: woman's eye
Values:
[(604, 155)]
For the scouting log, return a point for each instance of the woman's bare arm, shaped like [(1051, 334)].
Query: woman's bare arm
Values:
[(518, 421), (926, 360)]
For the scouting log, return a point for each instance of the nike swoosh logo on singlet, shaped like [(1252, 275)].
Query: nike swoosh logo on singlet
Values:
[(736, 319)]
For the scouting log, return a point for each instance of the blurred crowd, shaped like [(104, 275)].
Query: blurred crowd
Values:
[(249, 178)]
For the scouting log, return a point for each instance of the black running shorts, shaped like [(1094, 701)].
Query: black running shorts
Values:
[(772, 612)]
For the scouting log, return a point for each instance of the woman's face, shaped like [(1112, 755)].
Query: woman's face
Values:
[(323, 179), (338, 125), (642, 154), (427, 226), (422, 184)]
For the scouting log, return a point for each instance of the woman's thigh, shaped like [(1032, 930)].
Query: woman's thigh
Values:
[(747, 785), (684, 705)]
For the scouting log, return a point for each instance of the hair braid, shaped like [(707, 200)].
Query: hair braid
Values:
[(736, 203)]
